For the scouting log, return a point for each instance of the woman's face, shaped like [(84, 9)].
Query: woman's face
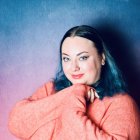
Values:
[(80, 60)]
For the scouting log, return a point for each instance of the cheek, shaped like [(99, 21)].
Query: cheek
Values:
[(65, 67), (92, 68), (88, 67)]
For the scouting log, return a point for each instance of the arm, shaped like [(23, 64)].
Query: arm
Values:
[(30, 114), (120, 121)]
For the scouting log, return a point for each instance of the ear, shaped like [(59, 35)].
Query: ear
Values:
[(103, 59)]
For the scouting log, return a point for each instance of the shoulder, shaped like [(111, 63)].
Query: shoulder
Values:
[(123, 113), (121, 103), (49, 87), (120, 99), (43, 91)]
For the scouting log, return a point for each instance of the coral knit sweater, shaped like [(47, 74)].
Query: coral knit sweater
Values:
[(64, 115)]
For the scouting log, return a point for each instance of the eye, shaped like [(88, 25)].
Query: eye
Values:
[(66, 59), (82, 58)]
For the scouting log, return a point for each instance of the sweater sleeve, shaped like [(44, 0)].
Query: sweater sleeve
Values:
[(30, 114), (120, 121)]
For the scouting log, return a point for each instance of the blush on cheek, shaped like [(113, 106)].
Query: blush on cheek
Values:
[(93, 74), (91, 69)]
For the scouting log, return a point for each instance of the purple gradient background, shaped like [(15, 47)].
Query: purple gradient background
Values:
[(30, 33)]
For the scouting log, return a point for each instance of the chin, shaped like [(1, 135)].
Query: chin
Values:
[(79, 82)]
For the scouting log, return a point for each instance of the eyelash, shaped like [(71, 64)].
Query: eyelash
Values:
[(82, 58), (66, 59)]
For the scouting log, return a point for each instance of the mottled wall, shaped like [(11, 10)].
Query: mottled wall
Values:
[(30, 33)]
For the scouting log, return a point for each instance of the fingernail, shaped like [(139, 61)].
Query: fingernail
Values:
[(88, 95), (92, 95), (96, 94)]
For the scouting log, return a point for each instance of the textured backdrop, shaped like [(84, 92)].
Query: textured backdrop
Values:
[(30, 33)]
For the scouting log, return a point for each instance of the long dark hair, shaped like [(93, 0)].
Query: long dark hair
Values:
[(110, 82)]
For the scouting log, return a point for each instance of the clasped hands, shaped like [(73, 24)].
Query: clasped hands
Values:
[(91, 95), (86, 91)]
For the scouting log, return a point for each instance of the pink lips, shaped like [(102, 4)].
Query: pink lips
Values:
[(78, 76)]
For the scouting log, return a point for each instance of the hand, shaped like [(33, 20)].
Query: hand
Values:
[(92, 94)]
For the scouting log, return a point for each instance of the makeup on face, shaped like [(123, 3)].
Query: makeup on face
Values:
[(80, 60), (78, 76)]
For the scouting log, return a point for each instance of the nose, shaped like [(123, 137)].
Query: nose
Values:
[(75, 66)]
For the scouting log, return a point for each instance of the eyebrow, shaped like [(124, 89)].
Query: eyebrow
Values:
[(77, 54)]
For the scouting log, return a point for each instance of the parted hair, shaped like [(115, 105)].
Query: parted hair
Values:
[(111, 81)]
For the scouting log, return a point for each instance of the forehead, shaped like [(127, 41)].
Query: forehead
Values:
[(77, 44)]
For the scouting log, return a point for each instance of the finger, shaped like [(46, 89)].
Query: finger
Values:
[(96, 94), (88, 97), (92, 96)]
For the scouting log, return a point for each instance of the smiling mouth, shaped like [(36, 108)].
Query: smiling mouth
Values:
[(78, 76)]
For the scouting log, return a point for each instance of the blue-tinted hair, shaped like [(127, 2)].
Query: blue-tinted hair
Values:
[(111, 80)]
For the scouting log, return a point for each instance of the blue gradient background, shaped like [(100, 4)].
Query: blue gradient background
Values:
[(30, 33)]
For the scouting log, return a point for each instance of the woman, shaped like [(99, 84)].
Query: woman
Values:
[(86, 101)]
